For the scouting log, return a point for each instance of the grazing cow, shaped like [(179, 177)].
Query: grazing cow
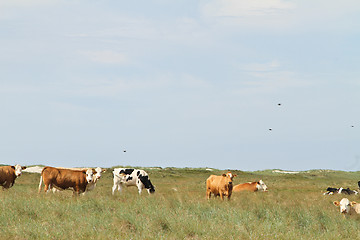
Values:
[(347, 207), (220, 185), (251, 186), (65, 178), (131, 177), (91, 185), (8, 174)]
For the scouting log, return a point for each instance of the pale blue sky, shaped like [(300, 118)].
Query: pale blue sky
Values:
[(181, 83)]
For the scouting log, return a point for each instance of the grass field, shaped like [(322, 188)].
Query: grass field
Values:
[(294, 208)]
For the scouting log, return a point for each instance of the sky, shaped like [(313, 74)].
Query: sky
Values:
[(226, 84)]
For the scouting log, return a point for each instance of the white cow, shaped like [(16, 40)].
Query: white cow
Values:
[(131, 177), (347, 207)]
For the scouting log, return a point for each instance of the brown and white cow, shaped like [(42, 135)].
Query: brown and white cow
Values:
[(8, 174), (65, 179), (220, 185), (251, 186), (347, 207), (97, 175), (91, 185)]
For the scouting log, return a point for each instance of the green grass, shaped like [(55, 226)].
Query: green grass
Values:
[(294, 208)]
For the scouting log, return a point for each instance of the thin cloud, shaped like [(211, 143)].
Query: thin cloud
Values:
[(241, 8), (261, 67), (106, 57), (27, 3)]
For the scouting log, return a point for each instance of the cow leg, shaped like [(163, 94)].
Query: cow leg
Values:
[(118, 186), (221, 196), (46, 188), (7, 185), (114, 188), (208, 193), (229, 197), (76, 191)]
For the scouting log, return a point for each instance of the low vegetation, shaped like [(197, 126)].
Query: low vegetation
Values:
[(294, 208)]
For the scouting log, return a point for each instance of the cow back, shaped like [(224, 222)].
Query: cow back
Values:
[(64, 178), (246, 187)]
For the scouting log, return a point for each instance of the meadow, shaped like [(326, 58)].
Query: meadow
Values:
[(294, 208)]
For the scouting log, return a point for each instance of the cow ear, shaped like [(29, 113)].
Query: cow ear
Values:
[(224, 175), (352, 203), (336, 203), (235, 175), (13, 167), (104, 170), (23, 168)]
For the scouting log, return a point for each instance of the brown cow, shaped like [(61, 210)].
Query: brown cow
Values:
[(220, 185), (91, 185), (65, 178), (251, 186), (8, 174)]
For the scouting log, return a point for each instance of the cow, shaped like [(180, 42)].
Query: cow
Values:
[(97, 175), (8, 174), (220, 185), (347, 207), (131, 177), (65, 179), (346, 191), (91, 185), (251, 186), (331, 191)]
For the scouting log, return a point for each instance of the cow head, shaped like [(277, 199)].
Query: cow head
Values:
[(147, 183), (18, 169), (229, 176), (89, 175), (261, 186), (98, 172), (344, 204)]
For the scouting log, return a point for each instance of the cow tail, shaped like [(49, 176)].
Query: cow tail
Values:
[(41, 179)]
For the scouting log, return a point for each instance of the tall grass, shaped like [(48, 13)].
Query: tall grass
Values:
[(294, 208)]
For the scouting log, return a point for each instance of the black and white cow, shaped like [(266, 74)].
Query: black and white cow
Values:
[(347, 191), (131, 177), (331, 190)]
